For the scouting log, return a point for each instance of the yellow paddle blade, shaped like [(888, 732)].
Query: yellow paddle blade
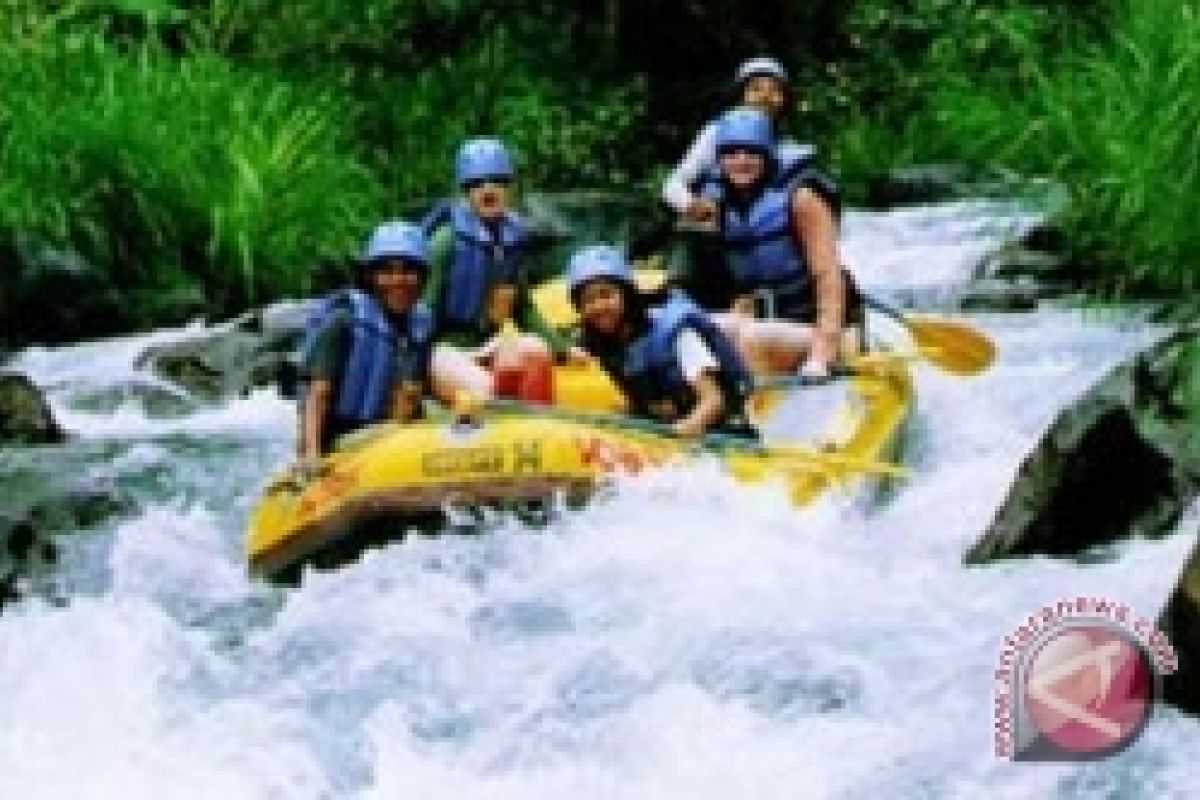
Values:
[(955, 347), (813, 459), (554, 304), (553, 301)]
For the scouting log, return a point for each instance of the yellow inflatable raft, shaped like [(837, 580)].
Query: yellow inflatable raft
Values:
[(851, 425)]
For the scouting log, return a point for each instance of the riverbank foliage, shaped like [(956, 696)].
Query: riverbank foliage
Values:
[(160, 158)]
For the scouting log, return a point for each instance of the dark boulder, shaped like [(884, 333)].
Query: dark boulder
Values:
[(1124, 460), (25, 417), (53, 295), (927, 183), (1015, 262), (1180, 622), (1047, 237), (44, 500), (23, 551), (994, 294)]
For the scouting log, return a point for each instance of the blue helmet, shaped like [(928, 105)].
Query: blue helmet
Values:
[(482, 158), (745, 127), (597, 262), (397, 239), (763, 65)]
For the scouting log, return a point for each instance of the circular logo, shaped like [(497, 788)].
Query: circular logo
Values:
[(1089, 689)]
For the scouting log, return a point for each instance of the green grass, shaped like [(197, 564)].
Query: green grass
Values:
[(1117, 122), (153, 166), (212, 155), (215, 153), (1120, 126)]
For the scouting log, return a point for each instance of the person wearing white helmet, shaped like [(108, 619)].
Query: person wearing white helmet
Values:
[(671, 361), (761, 82), (479, 287), (780, 249), (366, 349)]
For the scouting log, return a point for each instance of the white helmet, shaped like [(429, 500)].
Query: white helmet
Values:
[(763, 65)]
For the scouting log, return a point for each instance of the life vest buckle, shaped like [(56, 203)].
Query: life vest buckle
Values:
[(766, 304)]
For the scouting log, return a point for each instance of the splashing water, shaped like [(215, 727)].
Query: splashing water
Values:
[(685, 637)]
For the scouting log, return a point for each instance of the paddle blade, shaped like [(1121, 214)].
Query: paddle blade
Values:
[(954, 346), (823, 461), (554, 304)]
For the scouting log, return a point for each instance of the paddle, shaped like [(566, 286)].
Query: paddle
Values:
[(809, 458), (955, 347), (952, 346)]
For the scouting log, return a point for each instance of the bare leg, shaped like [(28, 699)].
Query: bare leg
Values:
[(773, 347), (738, 329), (778, 346), (455, 370), (532, 349)]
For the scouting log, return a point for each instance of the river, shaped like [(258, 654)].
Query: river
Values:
[(686, 637)]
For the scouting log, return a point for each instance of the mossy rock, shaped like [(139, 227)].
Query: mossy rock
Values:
[(25, 417)]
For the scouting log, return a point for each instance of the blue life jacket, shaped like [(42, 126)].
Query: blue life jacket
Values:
[(793, 163), (378, 358), (761, 248), (479, 263), (649, 372)]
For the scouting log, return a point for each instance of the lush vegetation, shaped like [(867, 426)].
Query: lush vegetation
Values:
[(172, 156), (1111, 111)]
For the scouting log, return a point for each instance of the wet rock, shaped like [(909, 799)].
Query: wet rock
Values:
[(1020, 262), (38, 277), (1016, 278), (1124, 460), (1180, 622), (19, 538), (1046, 238), (211, 367), (24, 552), (84, 503), (25, 417), (992, 294), (1177, 311), (42, 501), (928, 183), (282, 323), (247, 352)]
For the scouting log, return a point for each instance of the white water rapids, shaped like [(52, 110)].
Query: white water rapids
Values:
[(686, 638)]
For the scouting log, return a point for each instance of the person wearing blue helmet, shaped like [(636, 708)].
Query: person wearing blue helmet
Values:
[(671, 361), (780, 248), (366, 349), (479, 283), (762, 83)]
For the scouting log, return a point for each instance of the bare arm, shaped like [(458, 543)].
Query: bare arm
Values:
[(316, 410), (677, 190), (710, 404), (406, 400), (817, 228)]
